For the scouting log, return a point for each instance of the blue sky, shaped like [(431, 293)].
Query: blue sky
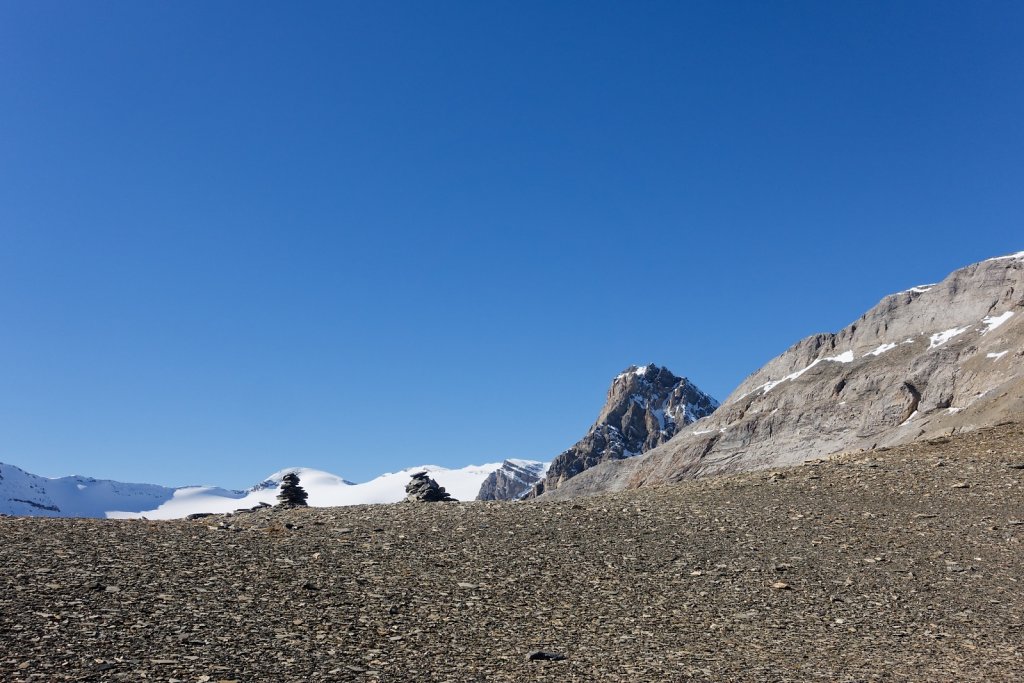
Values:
[(360, 236)]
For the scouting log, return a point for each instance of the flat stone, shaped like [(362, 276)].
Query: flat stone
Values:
[(544, 656)]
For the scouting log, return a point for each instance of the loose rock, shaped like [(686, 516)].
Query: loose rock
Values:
[(543, 656)]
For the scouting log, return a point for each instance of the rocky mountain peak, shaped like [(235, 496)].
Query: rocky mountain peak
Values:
[(645, 406), (648, 404)]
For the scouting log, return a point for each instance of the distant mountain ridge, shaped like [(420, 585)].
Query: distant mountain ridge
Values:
[(929, 361), (22, 493)]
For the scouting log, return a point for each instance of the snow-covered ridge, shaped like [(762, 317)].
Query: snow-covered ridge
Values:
[(324, 489), (528, 464), (22, 493), (640, 371), (1018, 256)]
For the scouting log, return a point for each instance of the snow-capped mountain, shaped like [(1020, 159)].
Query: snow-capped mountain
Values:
[(645, 407), (22, 493), (923, 363)]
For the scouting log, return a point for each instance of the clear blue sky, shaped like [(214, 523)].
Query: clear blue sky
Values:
[(359, 236)]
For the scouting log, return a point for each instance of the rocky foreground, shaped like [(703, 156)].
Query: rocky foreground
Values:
[(903, 564)]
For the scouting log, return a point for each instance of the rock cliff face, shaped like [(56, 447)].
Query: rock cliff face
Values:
[(512, 480), (929, 361), (645, 407)]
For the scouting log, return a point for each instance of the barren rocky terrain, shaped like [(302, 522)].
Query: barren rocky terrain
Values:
[(896, 565)]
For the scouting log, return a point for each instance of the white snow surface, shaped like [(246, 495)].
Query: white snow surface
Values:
[(324, 489), (640, 371), (845, 357), (22, 493), (881, 349), (996, 356), (940, 338), (1018, 255), (993, 321)]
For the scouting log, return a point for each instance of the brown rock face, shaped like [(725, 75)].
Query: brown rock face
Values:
[(645, 407), (926, 362)]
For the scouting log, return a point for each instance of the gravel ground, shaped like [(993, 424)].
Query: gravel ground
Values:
[(896, 565)]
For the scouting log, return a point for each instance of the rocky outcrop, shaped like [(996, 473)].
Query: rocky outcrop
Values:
[(645, 407), (422, 489), (512, 480), (926, 362)]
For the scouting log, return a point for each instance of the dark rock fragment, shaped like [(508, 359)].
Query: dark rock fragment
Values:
[(543, 656)]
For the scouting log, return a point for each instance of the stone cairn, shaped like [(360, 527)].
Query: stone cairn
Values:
[(291, 495), (423, 489)]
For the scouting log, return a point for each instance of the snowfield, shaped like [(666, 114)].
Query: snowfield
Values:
[(22, 493)]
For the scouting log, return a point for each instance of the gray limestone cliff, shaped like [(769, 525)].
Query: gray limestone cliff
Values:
[(645, 407), (512, 480), (923, 363)]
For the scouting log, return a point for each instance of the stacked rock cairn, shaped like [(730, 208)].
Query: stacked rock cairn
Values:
[(291, 495), (423, 489)]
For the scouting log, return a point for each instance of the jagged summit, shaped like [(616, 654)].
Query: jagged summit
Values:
[(645, 406), (672, 401), (924, 362)]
